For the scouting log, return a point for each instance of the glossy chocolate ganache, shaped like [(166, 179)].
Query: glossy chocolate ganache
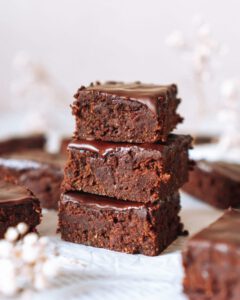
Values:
[(103, 148), (13, 194), (100, 201), (148, 94), (105, 202)]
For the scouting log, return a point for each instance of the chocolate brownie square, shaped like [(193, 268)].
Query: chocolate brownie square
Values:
[(134, 172), (17, 204), (216, 183), (212, 260), (118, 225), (40, 171), (22, 143), (119, 112)]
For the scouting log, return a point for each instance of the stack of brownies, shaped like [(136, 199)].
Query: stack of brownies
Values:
[(121, 181)]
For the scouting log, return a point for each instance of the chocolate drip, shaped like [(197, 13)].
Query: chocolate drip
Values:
[(103, 148), (99, 147), (100, 201), (147, 94), (13, 194)]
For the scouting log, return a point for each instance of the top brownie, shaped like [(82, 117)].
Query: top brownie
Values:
[(118, 112)]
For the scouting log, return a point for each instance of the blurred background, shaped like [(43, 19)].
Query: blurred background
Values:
[(50, 48)]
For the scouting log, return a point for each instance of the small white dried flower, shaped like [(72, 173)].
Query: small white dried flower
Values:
[(5, 248), (24, 262), (8, 266), (50, 268), (30, 253), (176, 40), (30, 238), (22, 228), (204, 31), (203, 52), (11, 234), (40, 282), (230, 88), (8, 284)]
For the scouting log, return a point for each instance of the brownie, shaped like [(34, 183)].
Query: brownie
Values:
[(118, 112), (22, 143), (118, 225), (134, 172), (204, 139), (217, 183), (41, 172), (212, 260), (17, 204)]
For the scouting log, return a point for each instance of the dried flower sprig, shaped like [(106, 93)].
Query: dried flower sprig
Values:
[(229, 116), (40, 94), (25, 261), (202, 50)]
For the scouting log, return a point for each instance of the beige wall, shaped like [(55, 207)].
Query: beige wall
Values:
[(80, 41)]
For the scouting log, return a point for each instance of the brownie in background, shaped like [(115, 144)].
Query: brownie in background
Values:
[(211, 260), (39, 171), (22, 143), (216, 183), (204, 139), (17, 204)]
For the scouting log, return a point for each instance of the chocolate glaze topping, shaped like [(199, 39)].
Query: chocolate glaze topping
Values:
[(100, 201), (224, 231), (104, 148), (13, 194), (148, 94), (226, 169), (99, 147)]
